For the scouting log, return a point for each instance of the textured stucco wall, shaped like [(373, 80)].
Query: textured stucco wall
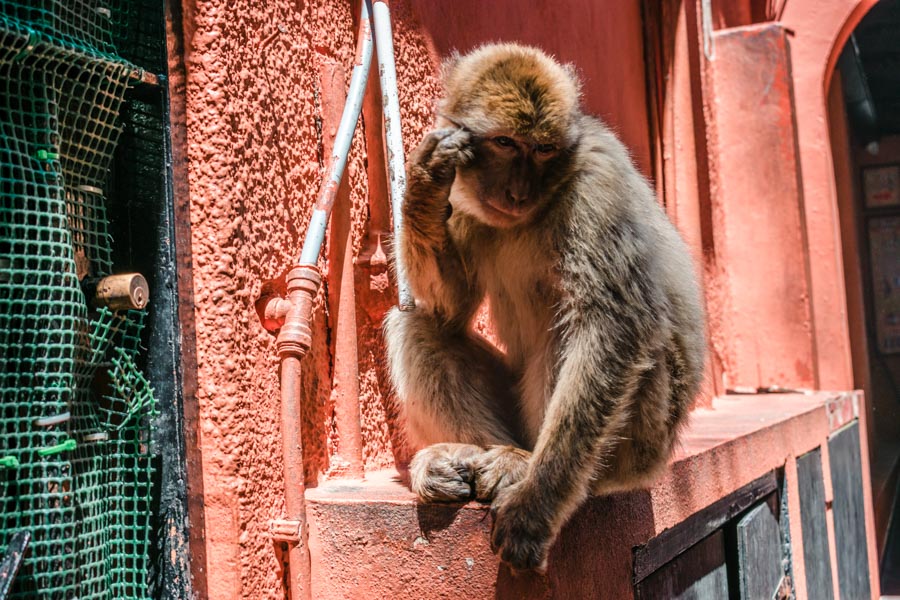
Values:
[(261, 108), (263, 90)]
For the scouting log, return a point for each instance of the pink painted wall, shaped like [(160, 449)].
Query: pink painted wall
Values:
[(603, 40), (822, 28), (763, 336), (261, 101), (263, 90)]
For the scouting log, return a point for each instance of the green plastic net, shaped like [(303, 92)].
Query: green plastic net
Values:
[(75, 409)]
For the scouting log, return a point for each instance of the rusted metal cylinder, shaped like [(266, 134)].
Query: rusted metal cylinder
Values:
[(128, 291), (296, 532), (295, 336), (293, 342)]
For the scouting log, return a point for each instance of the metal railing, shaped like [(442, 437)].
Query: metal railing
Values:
[(289, 313)]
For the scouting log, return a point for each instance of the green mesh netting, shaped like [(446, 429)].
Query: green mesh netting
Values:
[(75, 409)]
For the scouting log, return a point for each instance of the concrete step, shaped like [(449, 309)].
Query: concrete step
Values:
[(371, 539)]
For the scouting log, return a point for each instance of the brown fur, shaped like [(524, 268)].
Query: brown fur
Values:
[(524, 200)]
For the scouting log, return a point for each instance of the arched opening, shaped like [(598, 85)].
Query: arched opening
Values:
[(863, 97)]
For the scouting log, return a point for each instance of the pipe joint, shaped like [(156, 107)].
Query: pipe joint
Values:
[(295, 336), (272, 313)]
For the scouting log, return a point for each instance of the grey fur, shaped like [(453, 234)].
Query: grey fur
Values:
[(594, 296)]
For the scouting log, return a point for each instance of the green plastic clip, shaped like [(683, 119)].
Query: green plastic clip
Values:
[(46, 155), (66, 446), (10, 462)]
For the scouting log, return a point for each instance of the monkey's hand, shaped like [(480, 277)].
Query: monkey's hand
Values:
[(523, 531), (497, 469), (434, 162)]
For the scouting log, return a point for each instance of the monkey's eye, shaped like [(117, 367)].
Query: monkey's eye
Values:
[(545, 148), (506, 142)]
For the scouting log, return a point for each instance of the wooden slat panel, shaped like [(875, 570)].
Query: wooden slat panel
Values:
[(759, 553), (816, 558), (672, 542), (699, 573), (849, 514)]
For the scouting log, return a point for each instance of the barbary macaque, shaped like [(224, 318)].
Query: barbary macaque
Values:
[(521, 198)]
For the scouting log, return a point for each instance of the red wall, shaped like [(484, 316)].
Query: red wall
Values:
[(602, 39), (261, 87)]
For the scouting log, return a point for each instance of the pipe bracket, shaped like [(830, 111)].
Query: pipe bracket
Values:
[(285, 530)]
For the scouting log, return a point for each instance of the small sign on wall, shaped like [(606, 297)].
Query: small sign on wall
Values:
[(881, 186), (884, 246)]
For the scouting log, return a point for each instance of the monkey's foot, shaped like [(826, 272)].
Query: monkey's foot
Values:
[(444, 472), (497, 469)]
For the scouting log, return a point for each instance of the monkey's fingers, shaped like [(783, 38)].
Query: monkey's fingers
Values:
[(426, 147), (521, 537), (497, 469), (454, 150), (430, 164)]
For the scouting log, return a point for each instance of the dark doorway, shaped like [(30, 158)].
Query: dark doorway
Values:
[(864, 107)]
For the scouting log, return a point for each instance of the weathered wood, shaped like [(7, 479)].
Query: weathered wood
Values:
[(786, 588), (699, 573), (849, 513), (12, 560), (759, 553), (671, 542), (814, 527)]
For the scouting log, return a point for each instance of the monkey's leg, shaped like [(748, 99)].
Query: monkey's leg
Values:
[(458, 398), (647, 438)]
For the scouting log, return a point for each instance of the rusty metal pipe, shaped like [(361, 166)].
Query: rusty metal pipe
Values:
[(293, 529), (348, 457), (293, 342), (286, 306)]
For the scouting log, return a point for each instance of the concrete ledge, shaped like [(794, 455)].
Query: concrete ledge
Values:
[(371, 539)]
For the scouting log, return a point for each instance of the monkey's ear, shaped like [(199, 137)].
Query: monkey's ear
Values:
[(575, 76), (449, 64)]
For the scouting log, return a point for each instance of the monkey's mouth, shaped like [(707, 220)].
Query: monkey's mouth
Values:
[(509, 210)]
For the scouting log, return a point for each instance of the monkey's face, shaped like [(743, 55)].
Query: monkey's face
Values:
[(510, 178)]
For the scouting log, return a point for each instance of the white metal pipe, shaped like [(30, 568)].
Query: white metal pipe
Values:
[(315, 233), (384, 45)]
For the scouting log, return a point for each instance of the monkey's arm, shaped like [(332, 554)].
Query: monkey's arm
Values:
[(437, 273), (610, 333)]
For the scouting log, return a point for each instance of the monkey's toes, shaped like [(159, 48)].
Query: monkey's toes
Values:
[(439, 476)]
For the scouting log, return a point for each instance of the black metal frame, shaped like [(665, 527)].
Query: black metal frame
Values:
[(143, 224)]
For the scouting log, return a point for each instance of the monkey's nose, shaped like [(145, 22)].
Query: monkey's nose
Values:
[(514, 199)]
